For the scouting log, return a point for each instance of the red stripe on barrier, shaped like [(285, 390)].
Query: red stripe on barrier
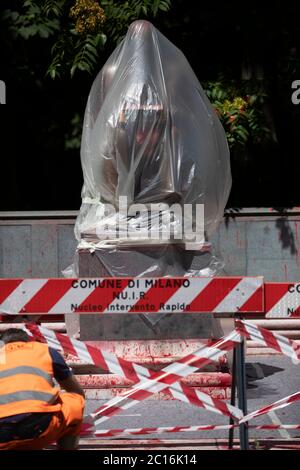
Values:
[(213, 294), (102, 296), (48, 296), (274, 291), (156, 297), (255, 302), (7, 287)]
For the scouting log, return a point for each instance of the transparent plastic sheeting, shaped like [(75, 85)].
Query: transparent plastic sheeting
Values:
[(150, 135)]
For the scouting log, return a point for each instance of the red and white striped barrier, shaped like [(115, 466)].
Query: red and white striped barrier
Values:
[(149, 382), (175, 429), (282, 300), (144, 295), (131, 295), (269, 339)]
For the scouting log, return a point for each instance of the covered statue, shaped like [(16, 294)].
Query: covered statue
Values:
[(150, 136)]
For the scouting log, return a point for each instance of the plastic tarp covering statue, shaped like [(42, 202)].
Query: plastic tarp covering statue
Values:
[(150, 135)]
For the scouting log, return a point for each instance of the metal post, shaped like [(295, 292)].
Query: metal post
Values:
[(242, 391), (232, 399)]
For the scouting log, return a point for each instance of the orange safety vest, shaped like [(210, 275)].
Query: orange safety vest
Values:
[(26, 379)]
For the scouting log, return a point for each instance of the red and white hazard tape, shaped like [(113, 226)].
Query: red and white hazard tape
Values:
[(158, 430), (149, 382), (175, 429), (274, 406), (279, 343), (273, 340), (134, 295), (167, 377), (270, 339), (274, 426)]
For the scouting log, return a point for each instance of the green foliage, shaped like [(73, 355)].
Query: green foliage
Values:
[(78, 29), (85, 51), (121, 14), (240, 107), (35, 19)]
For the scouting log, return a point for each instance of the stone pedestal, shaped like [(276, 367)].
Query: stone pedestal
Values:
[(152, 262)]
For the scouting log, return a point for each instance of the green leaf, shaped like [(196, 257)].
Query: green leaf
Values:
[(101, 39), (73, 69), (243, 133), (52, 73), (43, 31), (164, 6), (91, 48), (84, 66), (25, 32), (92, 57)]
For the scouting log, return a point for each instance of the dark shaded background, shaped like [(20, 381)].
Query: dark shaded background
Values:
[(38, 173)]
